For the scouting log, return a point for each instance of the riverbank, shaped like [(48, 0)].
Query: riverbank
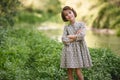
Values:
[(103, 31)]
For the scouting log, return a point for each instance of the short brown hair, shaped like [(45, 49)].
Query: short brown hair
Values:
[(67, 8)]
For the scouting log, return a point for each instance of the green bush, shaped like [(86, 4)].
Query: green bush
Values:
[(8, 10), (28, 17), (104, 18), (35, 17), (105, 65), (26, 54)]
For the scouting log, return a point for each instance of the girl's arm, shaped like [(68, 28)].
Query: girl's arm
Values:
[(72, 37), (80, 34), (65, 39)]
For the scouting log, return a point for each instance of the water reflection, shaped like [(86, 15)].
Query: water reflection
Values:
[(103, 41)]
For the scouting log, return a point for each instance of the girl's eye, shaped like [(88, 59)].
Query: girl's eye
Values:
[(70, 12)]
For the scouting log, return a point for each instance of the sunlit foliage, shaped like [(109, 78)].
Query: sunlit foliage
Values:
[(108, 15), (104, 14), (43, 6), (8, 9)]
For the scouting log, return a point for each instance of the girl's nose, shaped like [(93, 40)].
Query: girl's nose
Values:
[(68, 14)]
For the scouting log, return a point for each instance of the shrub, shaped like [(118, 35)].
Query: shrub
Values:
[(27, 54), (8, 10), (105, 65)]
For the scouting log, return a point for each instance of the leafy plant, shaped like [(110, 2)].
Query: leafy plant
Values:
[(105, 65), (8, 9), (28, 54), (104, 14)]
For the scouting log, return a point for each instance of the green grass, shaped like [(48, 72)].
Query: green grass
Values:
[(27, 54)]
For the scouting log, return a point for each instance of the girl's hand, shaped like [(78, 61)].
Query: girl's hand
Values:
[(71, 36), (71, 40)]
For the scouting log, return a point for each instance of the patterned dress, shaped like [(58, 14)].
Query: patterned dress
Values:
[(75, 54)]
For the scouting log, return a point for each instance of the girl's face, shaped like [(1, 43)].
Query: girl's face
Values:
[(69, 15)]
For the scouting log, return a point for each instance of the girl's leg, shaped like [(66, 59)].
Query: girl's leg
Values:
[(79, 74), (70, 76)]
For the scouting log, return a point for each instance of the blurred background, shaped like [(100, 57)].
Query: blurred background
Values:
[(101, 17)]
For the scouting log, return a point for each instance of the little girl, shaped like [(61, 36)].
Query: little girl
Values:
[(75, 54)]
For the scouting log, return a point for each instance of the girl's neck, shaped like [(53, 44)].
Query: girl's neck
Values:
[(72, 22)]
